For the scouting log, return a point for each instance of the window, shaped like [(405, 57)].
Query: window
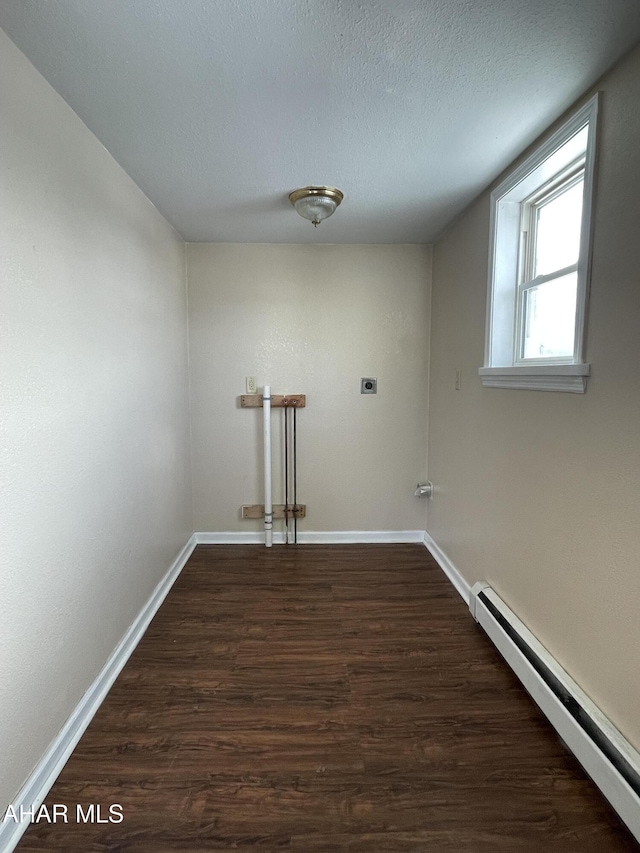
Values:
[(539, 264)]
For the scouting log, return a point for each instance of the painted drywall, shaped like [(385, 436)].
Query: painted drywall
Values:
[(311, 320), (538, 492), (96, 493)]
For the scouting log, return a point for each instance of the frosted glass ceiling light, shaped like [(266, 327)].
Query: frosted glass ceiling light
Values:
[(316, 203)]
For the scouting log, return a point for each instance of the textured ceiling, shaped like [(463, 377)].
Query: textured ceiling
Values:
[(218, 108)]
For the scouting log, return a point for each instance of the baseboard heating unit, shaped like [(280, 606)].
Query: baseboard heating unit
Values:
[(604, 753)]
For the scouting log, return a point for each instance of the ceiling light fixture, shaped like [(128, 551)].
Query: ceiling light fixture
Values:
[(316, 203)]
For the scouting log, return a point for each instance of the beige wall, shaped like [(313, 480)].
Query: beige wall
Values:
[(311, 319), (95, 480), (539, 492)]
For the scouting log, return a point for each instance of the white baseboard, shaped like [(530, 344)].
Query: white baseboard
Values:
[(448, 568), (310, 537), (48, 768)]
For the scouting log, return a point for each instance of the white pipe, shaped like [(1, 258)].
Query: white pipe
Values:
[(268, 508)]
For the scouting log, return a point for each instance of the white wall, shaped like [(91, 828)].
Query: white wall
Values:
[(538, 492), (311, 319), (96, 499)]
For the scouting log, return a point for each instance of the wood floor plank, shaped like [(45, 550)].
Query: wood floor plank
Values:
[(323, 699)]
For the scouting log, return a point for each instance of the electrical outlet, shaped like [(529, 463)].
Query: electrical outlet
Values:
[(369, 385), (252, 388), (458, 381)]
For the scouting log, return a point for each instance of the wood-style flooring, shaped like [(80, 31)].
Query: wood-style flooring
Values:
[(323, 699)]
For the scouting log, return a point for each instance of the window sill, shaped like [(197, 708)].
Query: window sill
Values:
[(550, 377)]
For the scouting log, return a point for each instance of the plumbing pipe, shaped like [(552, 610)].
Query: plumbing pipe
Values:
[(268, 508), (295, 481), (286, 476)]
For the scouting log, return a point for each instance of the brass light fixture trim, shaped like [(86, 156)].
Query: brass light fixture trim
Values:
[(316, 203)]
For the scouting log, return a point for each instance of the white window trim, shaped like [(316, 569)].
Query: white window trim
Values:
[(500, 369), (538, 377)]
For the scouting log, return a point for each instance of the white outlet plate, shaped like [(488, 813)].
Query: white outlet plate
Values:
[(252, 388)]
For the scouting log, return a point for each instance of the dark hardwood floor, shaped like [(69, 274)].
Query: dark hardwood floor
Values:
[(323, 699)]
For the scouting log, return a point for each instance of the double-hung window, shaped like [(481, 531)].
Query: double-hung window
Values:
[(539, 264)]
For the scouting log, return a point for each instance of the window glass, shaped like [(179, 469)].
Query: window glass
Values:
[(550, 317), (557, 230)]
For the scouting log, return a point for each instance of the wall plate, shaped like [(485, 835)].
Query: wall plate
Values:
[(368, 385)]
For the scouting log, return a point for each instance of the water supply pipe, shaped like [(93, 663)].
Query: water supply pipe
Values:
[(268, 508)]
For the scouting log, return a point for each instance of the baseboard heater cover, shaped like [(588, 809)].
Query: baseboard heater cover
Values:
[(605, 754)]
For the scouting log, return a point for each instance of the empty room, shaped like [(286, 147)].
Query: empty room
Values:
[(320, 427)]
